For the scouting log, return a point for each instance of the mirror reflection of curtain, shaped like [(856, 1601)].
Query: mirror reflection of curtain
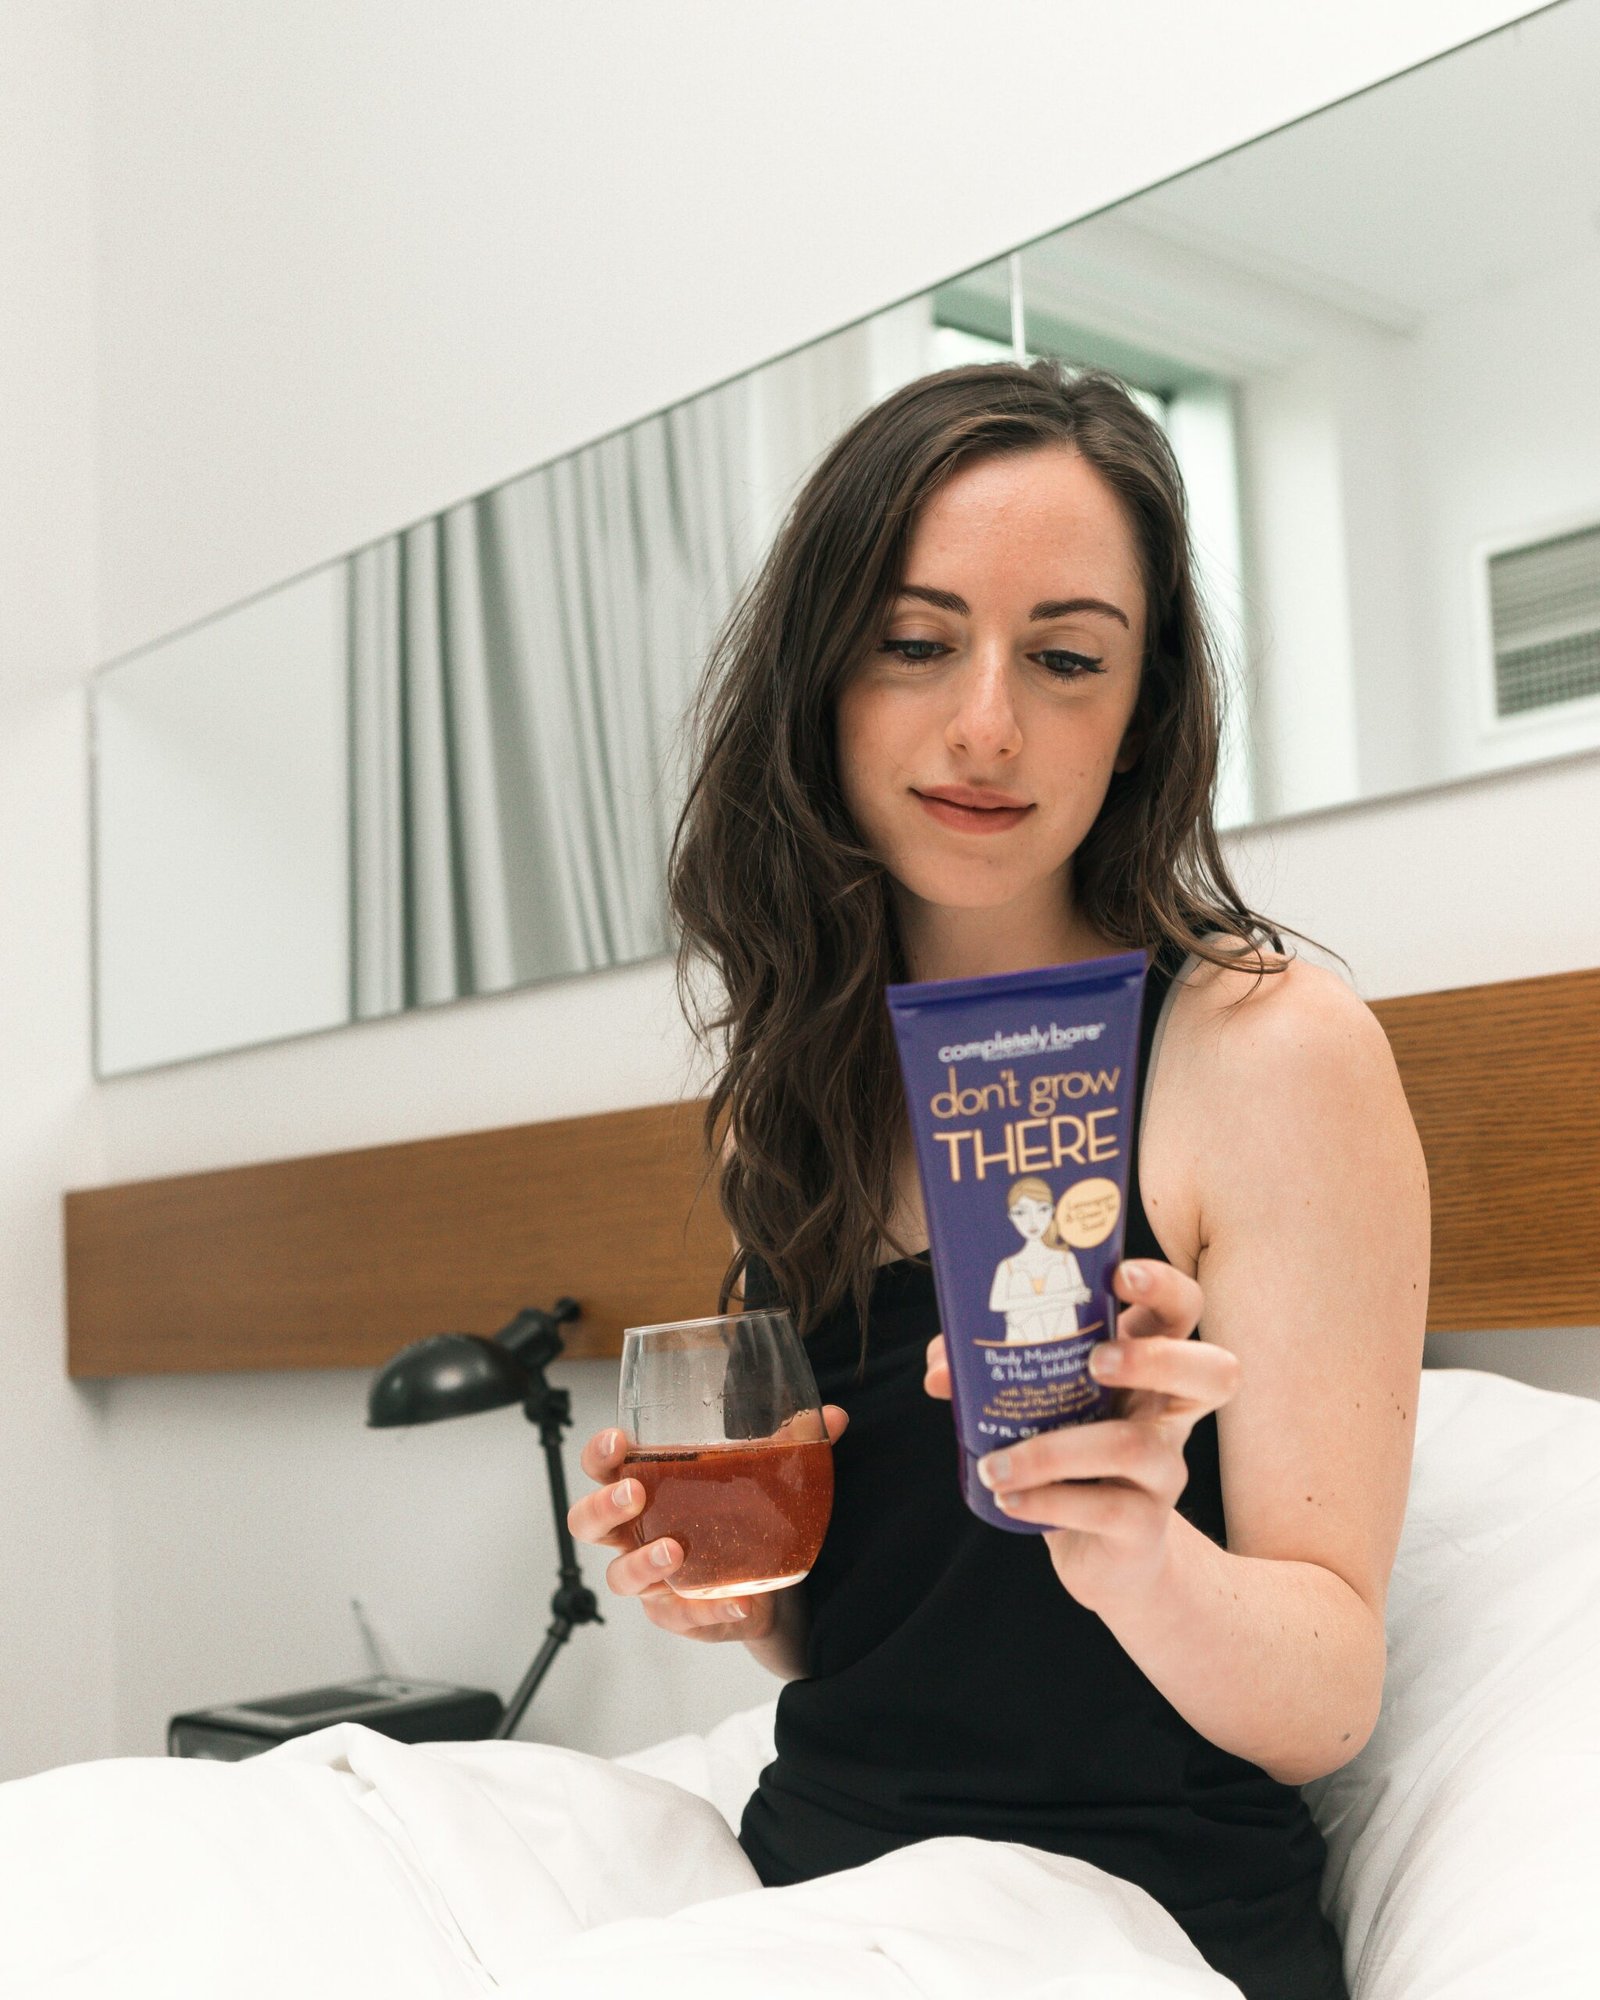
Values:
[(519, 669)]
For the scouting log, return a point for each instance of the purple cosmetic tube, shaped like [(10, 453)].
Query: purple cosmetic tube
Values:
[(1021, 1090)]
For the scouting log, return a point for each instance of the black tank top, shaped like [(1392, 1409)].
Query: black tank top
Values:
[(954, 1687)]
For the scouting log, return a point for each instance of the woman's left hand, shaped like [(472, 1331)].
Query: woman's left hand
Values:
[(1106, 1489)]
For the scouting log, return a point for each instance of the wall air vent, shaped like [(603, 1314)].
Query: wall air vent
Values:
[(1544, 606)]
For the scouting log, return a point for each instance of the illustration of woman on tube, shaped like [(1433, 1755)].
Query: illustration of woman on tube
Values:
[(1040, 1287)]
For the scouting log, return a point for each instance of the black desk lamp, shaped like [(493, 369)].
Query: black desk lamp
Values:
[(458, 1374)]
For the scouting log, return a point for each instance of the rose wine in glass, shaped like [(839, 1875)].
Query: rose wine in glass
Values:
[(725, 1435)]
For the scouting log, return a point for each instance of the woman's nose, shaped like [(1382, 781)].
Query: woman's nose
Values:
[(984, 723)]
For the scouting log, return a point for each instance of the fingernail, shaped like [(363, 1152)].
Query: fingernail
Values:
[(608, 1445), (734, 1610), (624, 1493), (992, 1471), (661, 1555), (1105, 1361), (1137, 1276)]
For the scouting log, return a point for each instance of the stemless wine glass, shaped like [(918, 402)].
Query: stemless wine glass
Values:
[(725, 1434)]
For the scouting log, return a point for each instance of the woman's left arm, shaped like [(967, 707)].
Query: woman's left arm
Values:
[(1311, 1266)]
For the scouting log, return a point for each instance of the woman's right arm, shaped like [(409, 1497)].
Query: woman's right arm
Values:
[(772, 1623), (783, 1650)]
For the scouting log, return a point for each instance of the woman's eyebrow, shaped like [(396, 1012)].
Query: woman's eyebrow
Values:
[(1052, 607)]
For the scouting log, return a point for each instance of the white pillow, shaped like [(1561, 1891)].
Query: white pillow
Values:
[(722, 1765), (1464, 1841)]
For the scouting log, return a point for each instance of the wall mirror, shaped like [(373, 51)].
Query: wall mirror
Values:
[(449, 763)]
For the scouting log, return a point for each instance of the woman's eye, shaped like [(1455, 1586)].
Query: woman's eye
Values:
[(1059, 665), (1071, 666)]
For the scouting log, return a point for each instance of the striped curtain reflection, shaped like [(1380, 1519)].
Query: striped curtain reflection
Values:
[(521, 665), (519, 669)]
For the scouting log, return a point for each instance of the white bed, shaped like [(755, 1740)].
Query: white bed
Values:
[(1464, 1841)]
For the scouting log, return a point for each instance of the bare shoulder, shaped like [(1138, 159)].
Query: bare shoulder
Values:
[(1259, 1071), (1273, 1028)]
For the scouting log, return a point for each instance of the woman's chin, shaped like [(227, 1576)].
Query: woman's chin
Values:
[(973, 888)]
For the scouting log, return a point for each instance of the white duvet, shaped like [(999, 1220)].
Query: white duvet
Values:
[(348, 1865), (1464, 1843)]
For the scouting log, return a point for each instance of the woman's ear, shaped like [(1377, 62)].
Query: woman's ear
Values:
[(1130, 750)]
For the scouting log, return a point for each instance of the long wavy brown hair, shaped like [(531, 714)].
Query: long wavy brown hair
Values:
[(769, 882)]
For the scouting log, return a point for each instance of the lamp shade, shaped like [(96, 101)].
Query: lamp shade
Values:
[(445, 1375)]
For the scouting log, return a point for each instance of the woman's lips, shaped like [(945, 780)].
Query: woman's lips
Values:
[(973, 819)]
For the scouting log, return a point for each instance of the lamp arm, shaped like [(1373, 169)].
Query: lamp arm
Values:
[(573, 1603), (550, 1429)]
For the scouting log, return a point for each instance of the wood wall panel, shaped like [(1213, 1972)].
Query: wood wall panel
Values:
[(337, 1260), (1504, 1083)]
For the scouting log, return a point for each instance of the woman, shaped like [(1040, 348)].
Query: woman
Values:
[(964, 723), (1039, 1288)]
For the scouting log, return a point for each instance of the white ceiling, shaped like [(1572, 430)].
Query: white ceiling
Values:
[(1454, 181)]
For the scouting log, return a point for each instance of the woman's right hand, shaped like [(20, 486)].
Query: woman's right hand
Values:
[(606, 1517)]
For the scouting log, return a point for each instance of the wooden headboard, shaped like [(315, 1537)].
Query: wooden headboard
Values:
[(337, 1260), (1504, 1083)]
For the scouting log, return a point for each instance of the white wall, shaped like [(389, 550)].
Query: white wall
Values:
[(1475, 427), (222, 829), (354, 263), (1303, 721), (55, 1656), (1503, 420), (1489, 878), (361, 260)]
